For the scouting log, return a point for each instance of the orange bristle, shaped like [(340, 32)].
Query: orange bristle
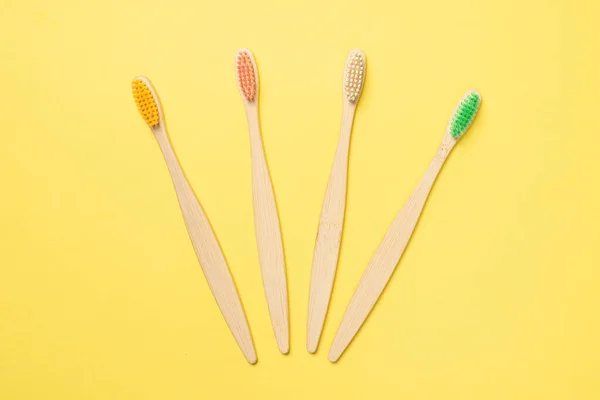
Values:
[(145, 101), (246, 76)]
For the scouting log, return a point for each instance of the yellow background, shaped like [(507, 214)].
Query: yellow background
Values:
[(101, 295)]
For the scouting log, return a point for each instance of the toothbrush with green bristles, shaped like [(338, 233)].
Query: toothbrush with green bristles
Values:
[(389, 252)]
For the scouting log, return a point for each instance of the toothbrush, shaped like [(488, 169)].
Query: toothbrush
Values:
[(390, 250), (203, 239), (331, 222), (266, 219)]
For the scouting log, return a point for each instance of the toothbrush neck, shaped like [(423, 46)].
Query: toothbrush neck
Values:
[(347, 120), (252, 117), (446, 146)]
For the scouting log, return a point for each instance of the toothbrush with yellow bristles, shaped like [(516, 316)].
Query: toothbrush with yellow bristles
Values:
[(201, 234), (266, 217), (331, 222), (389, 252)]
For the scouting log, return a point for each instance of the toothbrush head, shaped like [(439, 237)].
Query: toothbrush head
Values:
[(464, 114), (146, 100), (354, 74), (246, 74)]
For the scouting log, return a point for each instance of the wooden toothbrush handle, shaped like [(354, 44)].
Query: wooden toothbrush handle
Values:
[(209, 253), (387, 255), (329, 235), (268, 236)]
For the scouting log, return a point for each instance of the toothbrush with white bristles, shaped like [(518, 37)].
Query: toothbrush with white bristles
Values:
[(389, 252), (331, 222), (266, 217)]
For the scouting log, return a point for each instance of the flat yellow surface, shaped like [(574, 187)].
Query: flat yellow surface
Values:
[(497, 296)]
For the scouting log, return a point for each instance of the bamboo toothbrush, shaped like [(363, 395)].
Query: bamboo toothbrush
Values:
[(266, 219), (390, 250), (329, 235), (203, 239)]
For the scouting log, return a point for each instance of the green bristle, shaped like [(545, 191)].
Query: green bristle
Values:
[(464, 114)]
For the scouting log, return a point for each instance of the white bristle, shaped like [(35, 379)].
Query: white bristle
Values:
[(354, 75)]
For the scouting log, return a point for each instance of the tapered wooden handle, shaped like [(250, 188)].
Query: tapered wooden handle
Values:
[(329, 236), (387, 255), (268, 236), (209, 253)]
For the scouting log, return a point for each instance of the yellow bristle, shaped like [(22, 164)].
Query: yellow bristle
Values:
[(146, 104)]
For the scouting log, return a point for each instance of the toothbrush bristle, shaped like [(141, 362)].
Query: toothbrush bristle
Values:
[(464, 114), (246, 75), (145, 101), (354, 75)]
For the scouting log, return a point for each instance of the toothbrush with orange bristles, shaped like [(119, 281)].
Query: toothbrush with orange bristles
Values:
[(266, 218), (201, 234), (331, 222)]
